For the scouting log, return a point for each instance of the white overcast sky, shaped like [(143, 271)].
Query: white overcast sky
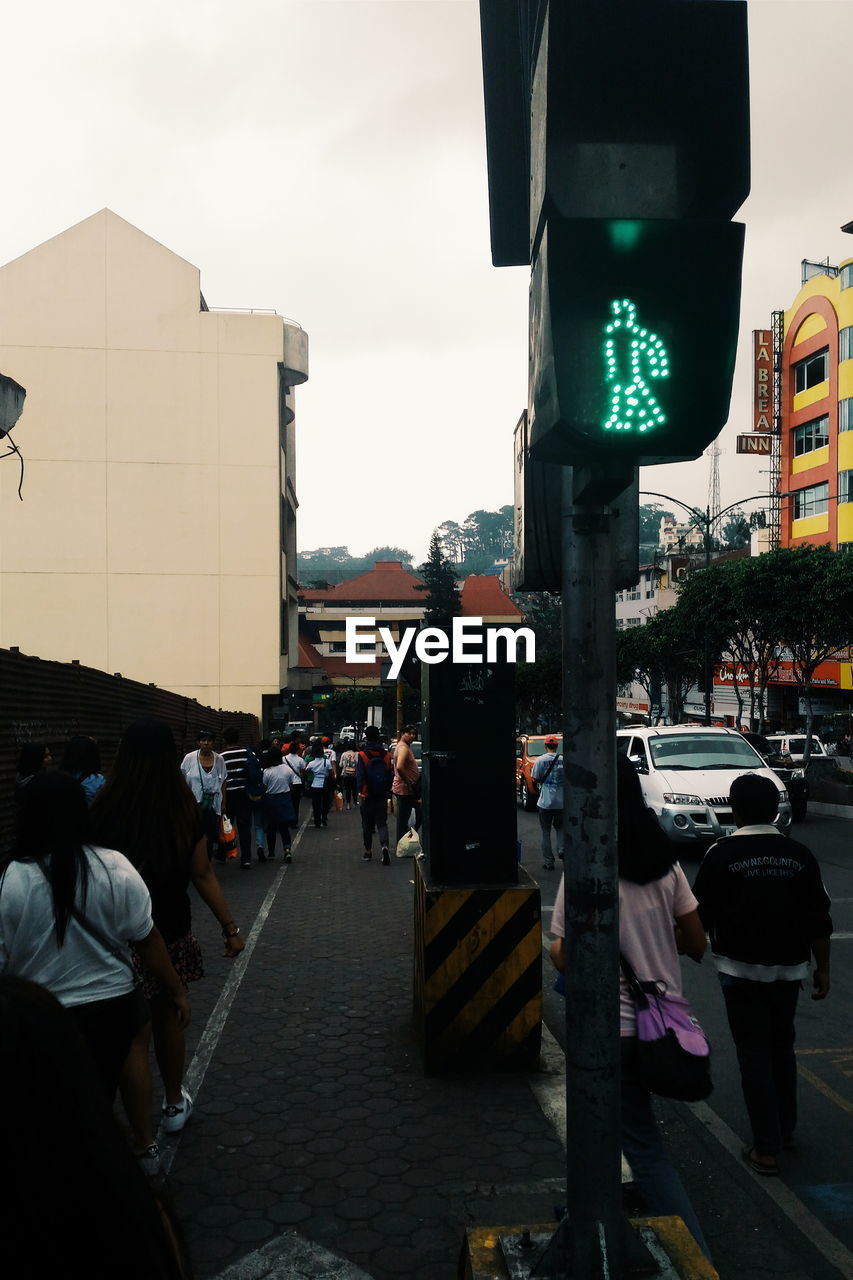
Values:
[(326, 158)]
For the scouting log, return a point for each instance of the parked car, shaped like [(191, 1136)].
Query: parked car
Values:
[(794, 745), (686, 772), (787, 770), (528, 749)]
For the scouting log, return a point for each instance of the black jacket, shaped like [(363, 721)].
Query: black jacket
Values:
[(762, 899)]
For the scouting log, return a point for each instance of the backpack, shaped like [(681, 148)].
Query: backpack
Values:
[(254, 776), (377, 773)]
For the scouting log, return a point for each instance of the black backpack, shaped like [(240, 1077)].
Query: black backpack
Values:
[(377, 773)]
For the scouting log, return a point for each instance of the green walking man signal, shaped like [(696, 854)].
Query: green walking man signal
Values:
[(633, 336), (633, 406)]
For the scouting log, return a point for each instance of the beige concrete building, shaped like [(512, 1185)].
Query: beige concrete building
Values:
[(157, 535)]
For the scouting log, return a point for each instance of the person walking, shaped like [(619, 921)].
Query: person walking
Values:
[(82, 759), (318, 770), (33, 757), (242, 781), (763, 902), (374, 778), (278, 807), (146, 810), (657, 920), (349, 784), (548, 774), (331, 778), (205, 773), (293, 759), (77, 1204), (69, 906), (406, 787)]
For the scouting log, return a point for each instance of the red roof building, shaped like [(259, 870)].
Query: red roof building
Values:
[(484, 597)]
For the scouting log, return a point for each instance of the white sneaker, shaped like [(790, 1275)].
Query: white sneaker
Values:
[(149, 1160), (176, 1114)]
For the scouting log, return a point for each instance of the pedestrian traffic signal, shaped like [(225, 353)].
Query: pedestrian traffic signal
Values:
[(633, 336)]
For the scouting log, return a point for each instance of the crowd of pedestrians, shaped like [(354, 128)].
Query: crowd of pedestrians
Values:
[(97, 950)]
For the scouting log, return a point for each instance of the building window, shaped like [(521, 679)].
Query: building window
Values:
[(845, 343), (619, 624), (845, 486), (811, 435), (650, 595), (632, 622), (845, 414), (813, 501), (634, 594), (844, 546), (846, 276), (811, 371)]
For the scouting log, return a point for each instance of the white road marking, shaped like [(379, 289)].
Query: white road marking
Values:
[(206, 1047), (292, 1257), (786, 1199)]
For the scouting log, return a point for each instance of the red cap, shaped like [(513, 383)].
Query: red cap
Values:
[(551, 740)]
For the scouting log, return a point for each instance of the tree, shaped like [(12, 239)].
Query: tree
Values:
[(639, 659), (814, 613), (387, 553), (736, 531), (442, 601), (452, 540), (651, 514), (538, 685)]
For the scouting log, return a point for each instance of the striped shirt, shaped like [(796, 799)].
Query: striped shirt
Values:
[(235, 763)]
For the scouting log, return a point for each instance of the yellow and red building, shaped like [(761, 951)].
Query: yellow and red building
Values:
[(816, 405)]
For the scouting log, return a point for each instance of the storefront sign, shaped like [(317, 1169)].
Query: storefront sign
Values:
[(632, 706), (755, 444), (762, 346)]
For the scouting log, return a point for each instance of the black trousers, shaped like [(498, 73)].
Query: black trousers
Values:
[(108, 1026), (761, 1019)]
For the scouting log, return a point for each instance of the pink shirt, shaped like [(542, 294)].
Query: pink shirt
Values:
[(405, 775), (647, 914)]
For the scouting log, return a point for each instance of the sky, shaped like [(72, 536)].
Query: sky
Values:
[(326, 158)]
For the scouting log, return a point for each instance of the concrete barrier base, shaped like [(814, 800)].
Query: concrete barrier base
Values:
[(484, 1253), (478, 974)]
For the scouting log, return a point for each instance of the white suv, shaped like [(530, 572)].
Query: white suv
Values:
[(686, 771)]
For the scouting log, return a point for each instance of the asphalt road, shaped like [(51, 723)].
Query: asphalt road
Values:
[(800, 1225)]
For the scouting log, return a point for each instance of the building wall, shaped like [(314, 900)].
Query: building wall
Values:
[(152, 438), (820, 311)]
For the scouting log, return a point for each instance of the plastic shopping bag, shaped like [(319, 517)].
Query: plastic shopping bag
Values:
[(409, 845)]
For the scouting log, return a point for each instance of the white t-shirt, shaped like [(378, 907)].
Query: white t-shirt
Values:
[(278, 779), (200, 781), (297, 764), (81, 970), (647, 914), (319, 769)]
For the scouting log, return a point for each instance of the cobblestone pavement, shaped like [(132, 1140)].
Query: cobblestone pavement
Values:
[(314, 1115)]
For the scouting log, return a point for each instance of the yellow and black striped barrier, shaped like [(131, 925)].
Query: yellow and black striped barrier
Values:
[(478, 974), (482, 1256)]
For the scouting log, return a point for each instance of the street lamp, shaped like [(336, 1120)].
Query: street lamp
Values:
[(704, 521)]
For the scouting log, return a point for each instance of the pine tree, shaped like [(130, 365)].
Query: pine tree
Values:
[(442, 602)]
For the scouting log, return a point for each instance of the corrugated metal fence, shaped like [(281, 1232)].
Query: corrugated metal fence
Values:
[(50, 702)]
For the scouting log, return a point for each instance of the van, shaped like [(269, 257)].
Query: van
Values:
[(794, 745), (686, 771)]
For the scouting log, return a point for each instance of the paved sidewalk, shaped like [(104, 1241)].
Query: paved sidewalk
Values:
[(316, 1132)]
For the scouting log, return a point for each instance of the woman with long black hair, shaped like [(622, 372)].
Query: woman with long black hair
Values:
[(77, 1203), (68, 909), (657, 920), (146, 810)]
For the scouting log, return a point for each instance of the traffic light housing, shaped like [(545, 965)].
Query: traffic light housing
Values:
[(633, 338)]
